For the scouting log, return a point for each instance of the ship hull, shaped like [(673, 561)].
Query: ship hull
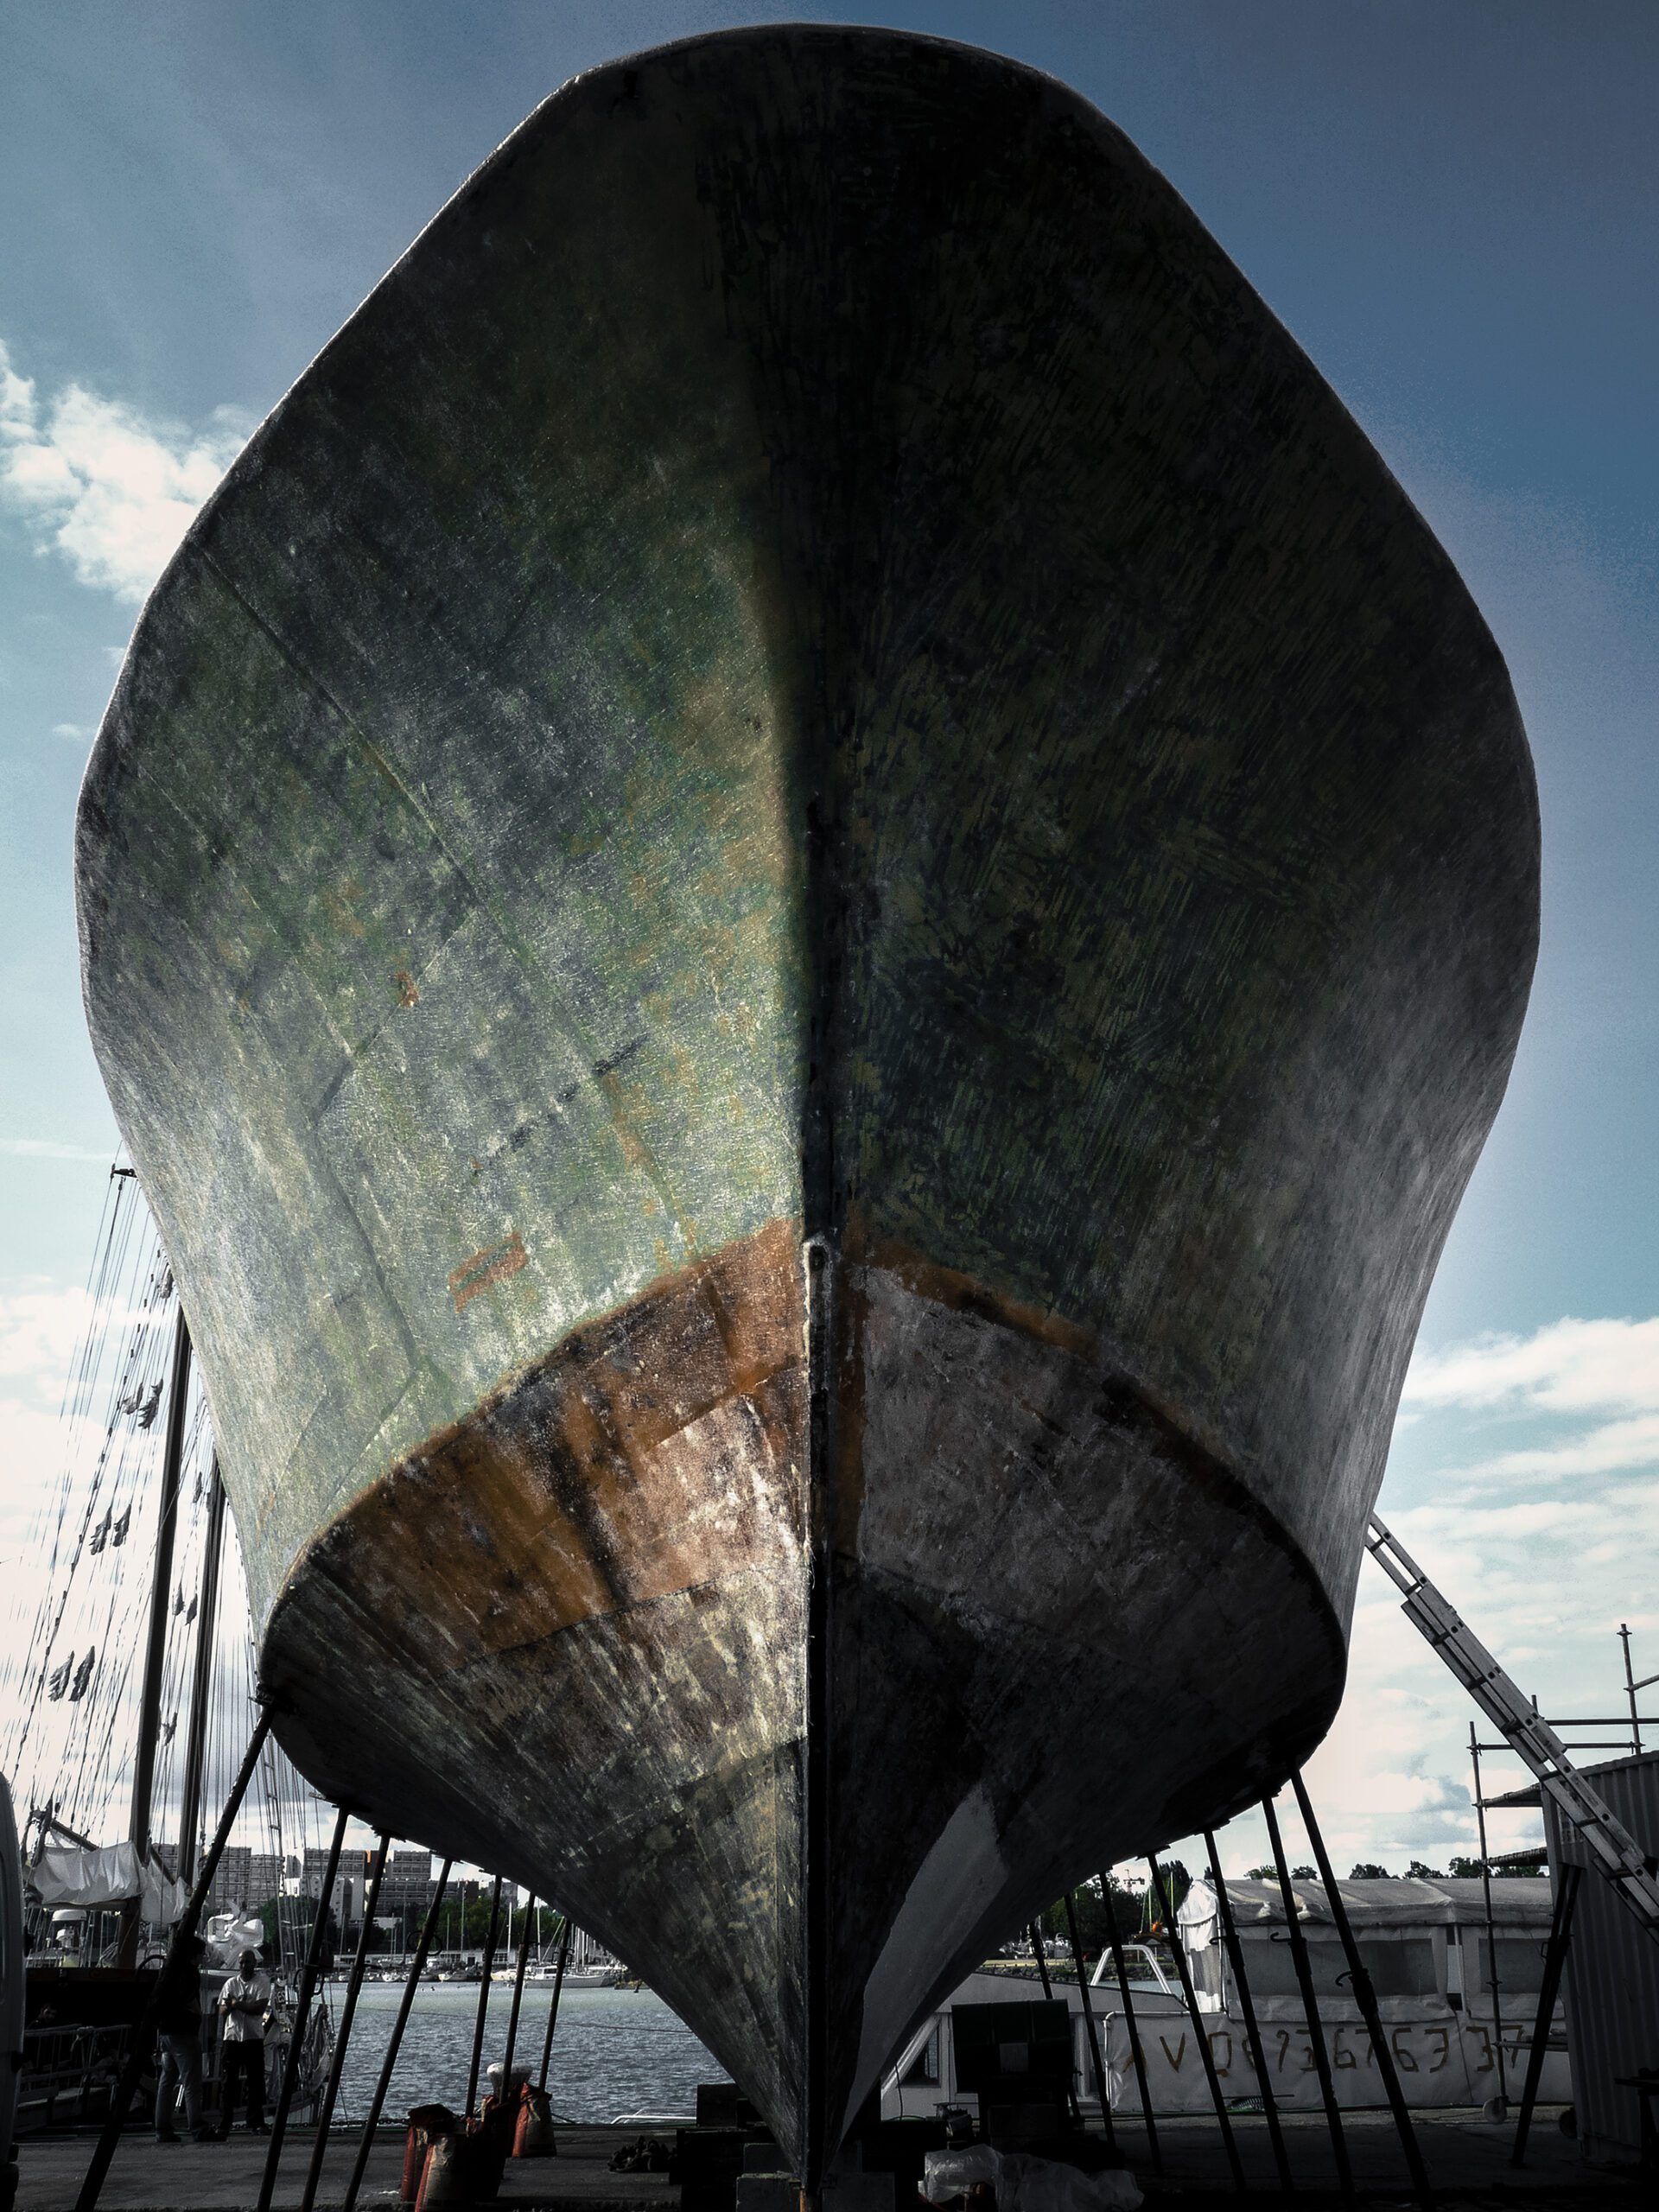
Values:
[(590, 1599), (804, 905)]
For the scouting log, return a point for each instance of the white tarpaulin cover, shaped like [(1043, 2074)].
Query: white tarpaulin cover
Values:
[(1197, 1918), (1025, 2184), (111, 1876), (1405, 1901), (1441, 2057)]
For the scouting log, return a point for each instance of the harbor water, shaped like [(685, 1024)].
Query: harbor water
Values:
[(616, 2052)]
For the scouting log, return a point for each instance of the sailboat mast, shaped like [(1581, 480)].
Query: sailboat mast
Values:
[(149, 1710), (196, 1750)]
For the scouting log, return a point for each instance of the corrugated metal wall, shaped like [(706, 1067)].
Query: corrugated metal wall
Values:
[(1612, 1970)]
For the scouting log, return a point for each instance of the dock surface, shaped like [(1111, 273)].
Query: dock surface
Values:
[(1468, 2160), (151, 2176)]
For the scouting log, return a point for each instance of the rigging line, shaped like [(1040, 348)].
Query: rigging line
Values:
[(39, 1519), (101, 1768), (109, 1212), (64, 1595), (111, 1694), (138, 1345), (76, 1393), (118, 1602)]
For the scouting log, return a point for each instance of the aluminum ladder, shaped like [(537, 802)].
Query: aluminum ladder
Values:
[(1614, 1850)]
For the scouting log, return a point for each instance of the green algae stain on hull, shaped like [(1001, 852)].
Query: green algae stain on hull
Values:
[(804, 906)]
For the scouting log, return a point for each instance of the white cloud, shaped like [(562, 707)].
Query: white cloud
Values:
[(1568, 1366), (1525, 1480), (72, 731), (1604, 1376), (94, 480), (46, 1148), (38, 1331)]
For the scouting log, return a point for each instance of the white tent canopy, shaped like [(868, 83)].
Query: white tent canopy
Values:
[(1406, 1901), (112, 1876)]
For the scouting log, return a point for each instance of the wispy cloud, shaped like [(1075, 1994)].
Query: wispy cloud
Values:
[(39, 1328), (1567, 1367), (92, 479), (46, 1148), (1587, 1390), (1525, 1478)]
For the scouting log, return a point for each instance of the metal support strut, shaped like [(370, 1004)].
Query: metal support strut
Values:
[(517, 1992), (1154, 2152), (376, 2103), (483, 1995), (144, 2033), (1037, 1953), (1365, 1997), (1101, 2088), (1310, 2004), (1247, 2005), (1206, 2056), (1567, 1896), (553, 2021), (301, 2014), (348, 2013)]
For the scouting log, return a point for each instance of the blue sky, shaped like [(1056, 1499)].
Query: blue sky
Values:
[(1455, 209)]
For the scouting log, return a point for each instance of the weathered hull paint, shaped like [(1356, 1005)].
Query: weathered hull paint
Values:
[(804, 905)]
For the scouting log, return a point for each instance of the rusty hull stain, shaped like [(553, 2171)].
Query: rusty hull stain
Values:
[(493, 1265), (568, 1634), (650, 1452)]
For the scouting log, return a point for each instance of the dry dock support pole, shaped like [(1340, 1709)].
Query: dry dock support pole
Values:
[(1101, 2089), (347, 2013), (1310, 2004), (1190, 1994), (483, 1996), (1365, 1996), (1247, 2005), (144, 2030), (1567, 1896), (376, 2103), (1036, 1952), (1631, 1686), (1491, 1926), (517, 1993), (1042, 1963), (553, 2019), (1154, 2150), (302, 2013)]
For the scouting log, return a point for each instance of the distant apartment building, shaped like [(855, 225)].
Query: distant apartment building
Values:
[(264, 1878), (244, 1880), (350, 1882), (406, 1885), (232, 1879)]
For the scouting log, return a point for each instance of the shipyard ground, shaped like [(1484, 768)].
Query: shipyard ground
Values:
[(1468, 2160)]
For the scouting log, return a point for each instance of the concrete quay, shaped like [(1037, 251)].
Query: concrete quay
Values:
[(151, 2176), (1468, 2160)]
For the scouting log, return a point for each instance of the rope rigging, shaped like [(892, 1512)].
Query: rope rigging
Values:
[(74, 1698)]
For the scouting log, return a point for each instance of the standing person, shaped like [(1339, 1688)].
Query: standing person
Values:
[(178, 2023), (244, 2003)]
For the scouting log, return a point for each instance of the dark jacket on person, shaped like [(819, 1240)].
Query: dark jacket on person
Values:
[(178, 2003)]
